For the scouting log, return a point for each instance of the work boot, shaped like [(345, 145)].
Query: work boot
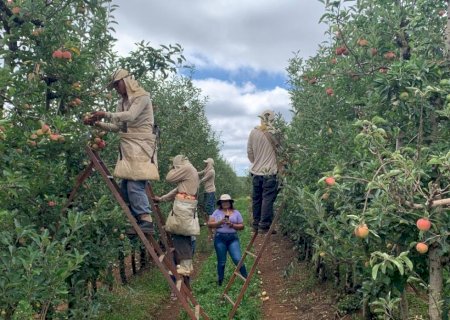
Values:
[(144, 222)]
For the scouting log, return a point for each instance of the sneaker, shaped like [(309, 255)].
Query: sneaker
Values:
[(146, 227)]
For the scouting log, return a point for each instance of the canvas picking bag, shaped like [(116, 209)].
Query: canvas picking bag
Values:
[(183, 218), (137, 157)]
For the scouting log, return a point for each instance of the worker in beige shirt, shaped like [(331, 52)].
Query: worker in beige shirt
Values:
[(209, 175), (185, 176), (134, 121), (262, 155)]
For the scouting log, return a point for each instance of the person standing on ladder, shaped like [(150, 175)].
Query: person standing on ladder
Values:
[(209, 175), (137, 161), (262, 152), (182, 222)]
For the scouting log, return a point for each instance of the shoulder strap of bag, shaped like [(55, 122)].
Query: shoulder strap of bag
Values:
[(275, 144)]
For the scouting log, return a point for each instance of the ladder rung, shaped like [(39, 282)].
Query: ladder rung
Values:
[(240, 275), (250, 253), (197, 311), (179, 282), (161, 257), (229, 299)]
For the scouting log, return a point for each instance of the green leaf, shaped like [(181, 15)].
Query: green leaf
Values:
[(375, 271)]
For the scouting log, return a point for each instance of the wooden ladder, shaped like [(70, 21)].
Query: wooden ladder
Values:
[(163, 257), (248, 252)]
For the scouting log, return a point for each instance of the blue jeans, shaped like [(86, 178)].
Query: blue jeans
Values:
[(223, 243), (133, 192), (265, 190), (210, 202)]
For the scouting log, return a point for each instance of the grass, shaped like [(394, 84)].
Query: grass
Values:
[(136, 301)]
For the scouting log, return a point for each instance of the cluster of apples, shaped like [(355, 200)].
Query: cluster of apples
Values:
[(97, 142), (423, 224), (42, 133), (62, 54)]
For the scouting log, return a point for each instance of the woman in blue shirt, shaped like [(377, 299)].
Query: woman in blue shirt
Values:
[(227, 221)]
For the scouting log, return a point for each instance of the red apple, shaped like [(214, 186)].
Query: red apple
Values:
[(390, 55), (423, 224), (330, 181), (362, 231), (101, 144), (67, 55), (57, 54), (51, 203), (421, 247), (329, 92), (45, 128)]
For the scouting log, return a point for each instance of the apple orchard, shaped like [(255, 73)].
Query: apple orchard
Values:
[(56, 59), (367, 153), (368, 149)]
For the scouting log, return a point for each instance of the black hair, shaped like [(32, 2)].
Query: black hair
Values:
[(231, 204)]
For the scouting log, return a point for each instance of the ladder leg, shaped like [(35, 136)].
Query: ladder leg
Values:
[(255, 263), (79, 181), (179, 288), (240, 264)]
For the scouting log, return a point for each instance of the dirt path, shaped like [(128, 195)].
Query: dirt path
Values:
[(293, 293)]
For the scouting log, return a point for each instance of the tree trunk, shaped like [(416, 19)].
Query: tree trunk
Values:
[(435, 284), (404, 312)]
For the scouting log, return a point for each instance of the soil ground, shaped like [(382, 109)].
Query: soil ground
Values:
[(293, 292), (290, 285)]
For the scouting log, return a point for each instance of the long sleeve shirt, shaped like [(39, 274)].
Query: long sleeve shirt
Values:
[(208, 180), (261, 154), (186, 178), (136, 116)]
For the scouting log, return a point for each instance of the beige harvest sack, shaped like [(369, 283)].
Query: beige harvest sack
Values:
[(183, 218), (137, 158)]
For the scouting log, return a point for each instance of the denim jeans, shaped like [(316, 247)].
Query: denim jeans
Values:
[(210, 202), (265, 190), (133, 192), (223, 243)]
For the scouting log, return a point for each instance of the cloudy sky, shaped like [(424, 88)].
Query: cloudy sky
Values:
[(240, 50)]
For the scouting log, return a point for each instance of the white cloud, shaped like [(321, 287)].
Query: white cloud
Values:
[(233, 111), (261, 34)]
